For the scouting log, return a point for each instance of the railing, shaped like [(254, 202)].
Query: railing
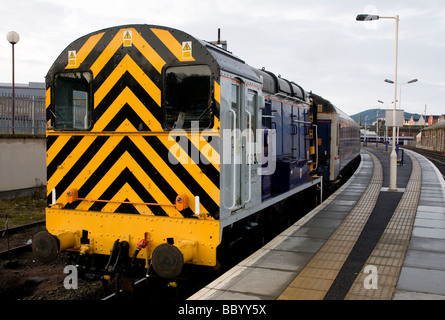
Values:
[(29, 115)]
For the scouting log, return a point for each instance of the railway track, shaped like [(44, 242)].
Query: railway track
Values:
[(437, 158), (16, 246), (17, 229)]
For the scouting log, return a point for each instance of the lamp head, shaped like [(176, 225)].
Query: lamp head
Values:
[(13, 37), (367, 17)]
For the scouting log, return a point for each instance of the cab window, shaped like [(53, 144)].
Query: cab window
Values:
[(72, 101), (188, 97)]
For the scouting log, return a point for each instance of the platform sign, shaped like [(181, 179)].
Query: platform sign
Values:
[(399, 118), (128, 38)]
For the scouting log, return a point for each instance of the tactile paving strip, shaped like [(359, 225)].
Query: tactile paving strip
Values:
[(316, 278), (389, 253)]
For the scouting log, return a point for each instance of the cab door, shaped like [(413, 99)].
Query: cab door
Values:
[(233, 163), (243, 154)]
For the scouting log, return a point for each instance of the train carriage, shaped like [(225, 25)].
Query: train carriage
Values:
[(338, 145), (162, 148)]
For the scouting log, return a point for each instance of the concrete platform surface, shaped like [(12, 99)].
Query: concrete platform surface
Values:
[(362, 243)]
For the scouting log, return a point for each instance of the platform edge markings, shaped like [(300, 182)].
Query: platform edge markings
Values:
[(423, 272), (221, 285), (389, 253), (314, 281)]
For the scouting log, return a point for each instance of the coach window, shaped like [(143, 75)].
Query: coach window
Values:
[(72, 103), (187, 96)]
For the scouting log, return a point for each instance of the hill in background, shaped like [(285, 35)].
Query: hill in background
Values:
[(372, 115)]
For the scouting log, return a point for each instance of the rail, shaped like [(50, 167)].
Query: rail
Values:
[(7, 232)]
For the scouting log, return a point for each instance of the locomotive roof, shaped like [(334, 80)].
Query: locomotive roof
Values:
[(271, 83), (229, 62), (328, 107), (203, 51)]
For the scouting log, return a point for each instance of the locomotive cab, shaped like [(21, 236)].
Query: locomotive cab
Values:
[(132, 149)]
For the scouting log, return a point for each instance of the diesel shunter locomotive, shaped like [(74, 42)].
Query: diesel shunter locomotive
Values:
[(164, 150)]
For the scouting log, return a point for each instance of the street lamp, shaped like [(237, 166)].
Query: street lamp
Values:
[(13, 37), (393, 156), (400, 98), (400, 88)]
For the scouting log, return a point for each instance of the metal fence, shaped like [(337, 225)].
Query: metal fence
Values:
[(29, 114)]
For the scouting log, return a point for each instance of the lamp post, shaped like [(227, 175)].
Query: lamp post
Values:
[(386, 128), (378, 131), (365, 144), (400, 98), (13, 37), (393, 156)]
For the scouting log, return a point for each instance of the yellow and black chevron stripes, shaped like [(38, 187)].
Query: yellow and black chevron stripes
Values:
[(127, 97), (125, 155), (127, 65), (172, 44), (48, 98), (85, 51), (139, 42), (140, 159)]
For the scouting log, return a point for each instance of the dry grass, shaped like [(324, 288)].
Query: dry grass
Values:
[(22, 210)]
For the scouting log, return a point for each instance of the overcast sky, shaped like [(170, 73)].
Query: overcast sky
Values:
[(317, 44)]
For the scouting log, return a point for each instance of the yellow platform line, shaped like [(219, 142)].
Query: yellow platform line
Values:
[(314, 281), (390, 251)]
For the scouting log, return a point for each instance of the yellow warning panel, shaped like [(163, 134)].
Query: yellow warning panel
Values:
[(186, 49), (128, 42), (72, 58)]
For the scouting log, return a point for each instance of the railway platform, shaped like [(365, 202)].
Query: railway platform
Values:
[(362, 243)]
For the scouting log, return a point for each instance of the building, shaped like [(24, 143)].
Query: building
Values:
[(433, 137), (36, 89), (416, 120), (422, 120)]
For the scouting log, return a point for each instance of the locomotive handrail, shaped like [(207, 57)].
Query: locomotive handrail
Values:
[(316, 146), (299, 121), (234, 160), (249, 163), (129, 202)]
